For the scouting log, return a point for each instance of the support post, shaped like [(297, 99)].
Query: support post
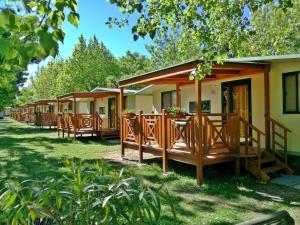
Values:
[(267, 105), (57, 118), (198, 133), (164, 141), (94, 106), (121, 121), (140, 137), (178, 96), (117, 113), (74, 118)]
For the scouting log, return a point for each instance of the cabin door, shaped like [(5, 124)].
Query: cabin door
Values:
[(112, 113), (236, 98)]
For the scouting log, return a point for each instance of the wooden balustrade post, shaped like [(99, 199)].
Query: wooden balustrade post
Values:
[(74, 117), (140, 137), (198, 133), (178, 96), (237, 144), (246, 145), (164, 141), (285, 148), (267, 105), (273, 138), (259, 151), (121, 122)]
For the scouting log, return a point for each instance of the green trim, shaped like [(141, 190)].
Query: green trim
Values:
[(284, 77), (291, 153)]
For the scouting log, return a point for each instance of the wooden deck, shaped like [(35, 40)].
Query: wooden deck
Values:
[(82, 125), (174, 139)]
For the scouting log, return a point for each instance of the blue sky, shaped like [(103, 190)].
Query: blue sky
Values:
[(93, 15)]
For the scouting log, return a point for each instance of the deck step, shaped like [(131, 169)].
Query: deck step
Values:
[(265, 160), (272, 169)]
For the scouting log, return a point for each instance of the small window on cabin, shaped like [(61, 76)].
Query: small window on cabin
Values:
[(168, 99), (51, 108), (101, 110), (125, 102), (291, 92), (206, 106), (92, 107), (70, 106)]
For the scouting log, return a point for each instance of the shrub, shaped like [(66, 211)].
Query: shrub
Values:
[(84, 195)]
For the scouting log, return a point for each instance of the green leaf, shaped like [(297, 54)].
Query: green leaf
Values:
[(6, 49), (11, 201), (47, 41), (73, 18), (32, 5)]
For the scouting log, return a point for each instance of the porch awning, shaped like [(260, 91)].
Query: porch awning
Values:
[(73, 95), (179, 74)]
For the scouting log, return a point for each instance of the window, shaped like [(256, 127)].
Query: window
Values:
[(92, 107), (70, 105), (206, 107), (168, 99), (101, 110), (291, 92), (125, 102), (51, 108)]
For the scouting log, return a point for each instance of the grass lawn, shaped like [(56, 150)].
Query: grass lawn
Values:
[(30, 152)]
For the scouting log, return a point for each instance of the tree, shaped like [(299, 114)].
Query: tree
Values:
[(133, 63), (90, 65), (275, 31), (171, 49), (220, 26), (30, 31)]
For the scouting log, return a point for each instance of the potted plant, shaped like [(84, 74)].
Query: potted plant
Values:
[(129, 114), (176, 112)]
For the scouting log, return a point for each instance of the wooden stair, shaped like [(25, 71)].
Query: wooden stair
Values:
[(110, 134), (269, 165)]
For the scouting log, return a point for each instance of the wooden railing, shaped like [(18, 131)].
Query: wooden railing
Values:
[(48, 119), (86, 122), (151, 127), (61, 121), (79, 123), (181, 133), (253, 139), (221, 129), (279, 134), (164, 132), (130, 129)]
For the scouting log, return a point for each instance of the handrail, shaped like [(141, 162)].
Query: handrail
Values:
[(250, 139), (220, 129), (277, 123), (281, 135), (252, 126)]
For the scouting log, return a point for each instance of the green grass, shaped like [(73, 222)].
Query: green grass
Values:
[(30, 152)]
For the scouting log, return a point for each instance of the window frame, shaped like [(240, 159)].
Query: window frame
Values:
[(100, 111), (284, 75), (167, 92)]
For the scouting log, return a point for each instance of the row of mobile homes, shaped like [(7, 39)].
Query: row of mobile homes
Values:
[(97, 113), (246, 111)]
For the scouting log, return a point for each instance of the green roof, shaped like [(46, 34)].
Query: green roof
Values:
[(271, 58)]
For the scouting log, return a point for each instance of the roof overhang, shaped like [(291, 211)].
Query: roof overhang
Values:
[(116, 90), (74, 95), (180, 74), (46, 102)]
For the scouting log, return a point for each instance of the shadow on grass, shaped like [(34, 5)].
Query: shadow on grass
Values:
[(222, 188), (21, 156)]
